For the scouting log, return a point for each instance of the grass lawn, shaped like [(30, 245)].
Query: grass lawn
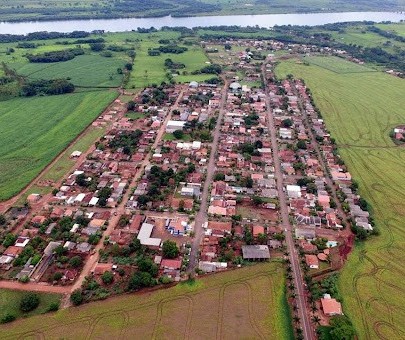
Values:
[(360, 110), (170, 136), (249, 302), (134, 115), (10, 303), (34, 130)]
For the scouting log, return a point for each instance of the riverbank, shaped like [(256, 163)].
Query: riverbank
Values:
[(129, 24)]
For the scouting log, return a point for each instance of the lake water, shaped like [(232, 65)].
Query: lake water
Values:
[(266, 20)]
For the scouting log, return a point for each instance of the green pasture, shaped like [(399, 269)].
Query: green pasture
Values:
[(10, 302), (151, 70), (360, 109)]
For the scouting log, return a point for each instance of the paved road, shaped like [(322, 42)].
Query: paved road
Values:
[(202, 216), (303, 312)]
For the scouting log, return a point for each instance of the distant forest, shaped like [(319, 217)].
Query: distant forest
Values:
[(23, 10)]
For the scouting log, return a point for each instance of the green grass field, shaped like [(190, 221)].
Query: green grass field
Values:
[(151, 70), (34, 130), (336, 64), (360, 110), (398, 28), (10, 302), (248, 302)]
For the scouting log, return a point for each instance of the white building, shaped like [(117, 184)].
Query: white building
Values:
[(293, 191), (173, 125)]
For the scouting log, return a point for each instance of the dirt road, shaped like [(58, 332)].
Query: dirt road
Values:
[(201, 216)]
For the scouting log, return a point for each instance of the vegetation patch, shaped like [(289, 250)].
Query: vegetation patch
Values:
[(15, 304)]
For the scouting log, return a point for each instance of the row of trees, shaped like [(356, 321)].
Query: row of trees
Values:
[(55, 56), (46, 87)]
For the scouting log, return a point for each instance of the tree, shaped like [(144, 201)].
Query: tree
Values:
[(219, 176), (9, 240), (178, 134), (29, 302), (170, 249), (128, 66), (76, 261), (60, 250), (8, 317), (97, 47), (77, 297), (247, 235), (57, 276), (143, 200), (145, 264), (2, 220), (131, 105), (262, 238), (257, 200), (135, 245), (107, 277), (302, 145), (81, 180), (287, 123), (342, 328), (139, 280)]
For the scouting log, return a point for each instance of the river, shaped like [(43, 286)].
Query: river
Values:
[(128, 24)]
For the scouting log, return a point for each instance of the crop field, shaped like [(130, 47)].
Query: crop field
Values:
[(336, 64), (84, 70), (10, 299), (34, 130), (360, 109), (249, 302)]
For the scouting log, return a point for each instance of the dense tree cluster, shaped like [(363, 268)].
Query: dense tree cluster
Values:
[(210, 69), (55, 56), (174, 49), (127, 140), (173, 65), (46, 87), (6, 38)]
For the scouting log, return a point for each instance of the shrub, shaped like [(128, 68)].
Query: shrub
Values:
[(107, 277), (29, 302), (8, 318), (24, 279), (53, 307), (57, 276), (77, 297), (76, 261)]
